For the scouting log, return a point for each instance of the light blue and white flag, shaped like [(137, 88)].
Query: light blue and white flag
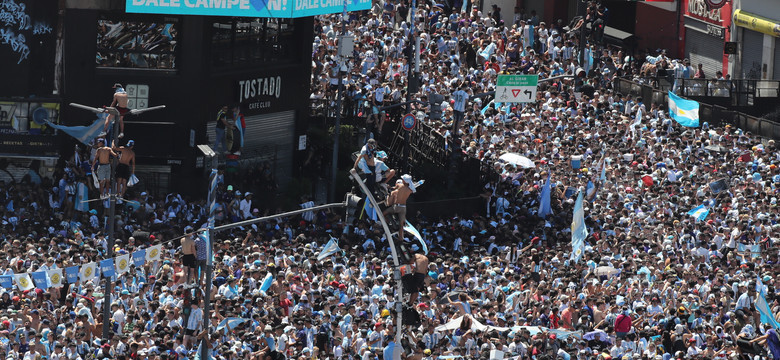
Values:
[(409, 228), (544, 204), (41, 279), (767, 317), (685, 112), (85, 134), (267, 282), (370, 211), (329, 249), (699, 213), (578, 230), (229, 324)]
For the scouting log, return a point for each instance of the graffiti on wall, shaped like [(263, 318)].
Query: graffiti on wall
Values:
[(16, 22)]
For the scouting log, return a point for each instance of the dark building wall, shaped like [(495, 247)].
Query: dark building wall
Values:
[(192, 92)]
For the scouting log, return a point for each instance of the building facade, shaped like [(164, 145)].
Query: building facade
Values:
[(757, 31), (191, 64)]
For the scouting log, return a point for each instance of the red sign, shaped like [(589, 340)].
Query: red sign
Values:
[(700, 10)]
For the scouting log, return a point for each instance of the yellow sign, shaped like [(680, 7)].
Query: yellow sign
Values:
[(88, 272), (153, 254), (123, 264), (55, 278), (23, 282), (756, 23)]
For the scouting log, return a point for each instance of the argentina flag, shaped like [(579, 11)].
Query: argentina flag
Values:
[(685, 112), (767, 317), (699, 213)]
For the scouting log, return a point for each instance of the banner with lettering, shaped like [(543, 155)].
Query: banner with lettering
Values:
[(107, 268), (246, 8), (7, 281), (72, 274), (139, 257), (41, 279)]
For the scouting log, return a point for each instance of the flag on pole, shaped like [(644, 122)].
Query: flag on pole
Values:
[(85, 134), (153, 253), (23, 281), (685, 112), (578, 230), (88, 271), (544, 204), (329, 249), (212, 214), (41, 280), (55, 277), (699, 213), (767, 317), (122, 264)]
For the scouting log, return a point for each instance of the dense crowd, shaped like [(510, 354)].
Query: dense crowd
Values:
[(653, 282)]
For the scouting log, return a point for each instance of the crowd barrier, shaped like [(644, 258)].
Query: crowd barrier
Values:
[(715, 115)]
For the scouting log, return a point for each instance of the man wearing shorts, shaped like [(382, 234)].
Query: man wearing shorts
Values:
[(397, 201), (120, 104), (415, 282), (103, 161), (194, 323), (188, 257), (123, 171)]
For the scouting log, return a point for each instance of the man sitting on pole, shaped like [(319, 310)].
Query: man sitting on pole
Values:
[(396, 202), (120, 104)]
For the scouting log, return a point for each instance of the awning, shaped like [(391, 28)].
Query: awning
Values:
[(757, 23)]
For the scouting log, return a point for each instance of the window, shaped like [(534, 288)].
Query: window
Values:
[(137, 44), (241, 42)]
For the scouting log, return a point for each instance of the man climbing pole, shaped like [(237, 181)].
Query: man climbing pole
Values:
[(396, 202), (123, 169), (103, 161)]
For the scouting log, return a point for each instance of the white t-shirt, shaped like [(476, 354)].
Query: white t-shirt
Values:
[(460, 98)]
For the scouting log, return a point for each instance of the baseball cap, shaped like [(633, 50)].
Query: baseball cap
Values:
[(130, 143)]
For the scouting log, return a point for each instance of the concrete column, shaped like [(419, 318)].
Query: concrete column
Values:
[(768, 57)]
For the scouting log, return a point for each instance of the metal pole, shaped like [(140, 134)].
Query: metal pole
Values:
[(396, 264), (209, 261), (107, 288), (337, 127), (271, 217), (411, 75)]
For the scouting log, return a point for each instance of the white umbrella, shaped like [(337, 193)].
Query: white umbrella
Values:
[(517, 160)]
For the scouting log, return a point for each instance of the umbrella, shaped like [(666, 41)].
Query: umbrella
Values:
[(605, 271), (716, 148), (517, 160), (596, 335)]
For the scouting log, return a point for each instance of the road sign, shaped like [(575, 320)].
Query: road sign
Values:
[(408, 122), (516, 88)]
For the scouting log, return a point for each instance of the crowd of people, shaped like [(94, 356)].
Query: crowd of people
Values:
[(655, 280)]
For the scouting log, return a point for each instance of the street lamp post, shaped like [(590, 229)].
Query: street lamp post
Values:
[(107, 287), (212, 196), (393, 251)]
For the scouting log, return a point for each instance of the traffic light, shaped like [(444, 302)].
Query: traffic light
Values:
[(435, 101), (353, 201)]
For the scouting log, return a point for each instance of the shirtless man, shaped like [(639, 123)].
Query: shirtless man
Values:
[(120, 104), (103, 160), (123, 171), (188, 257), (396, 202), (420, 264)]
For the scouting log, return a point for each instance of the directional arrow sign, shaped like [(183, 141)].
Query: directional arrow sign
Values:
[(516, 88)]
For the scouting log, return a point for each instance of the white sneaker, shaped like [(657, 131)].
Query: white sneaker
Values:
[(121, 135)]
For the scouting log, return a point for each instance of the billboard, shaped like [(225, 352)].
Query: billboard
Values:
[(245, 8)]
